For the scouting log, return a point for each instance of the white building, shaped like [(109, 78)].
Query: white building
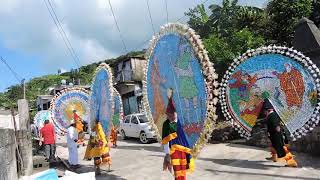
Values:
[(6, 120)]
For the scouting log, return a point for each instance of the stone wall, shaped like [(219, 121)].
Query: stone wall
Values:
[(308, 144), (8, 163), (259, 136)]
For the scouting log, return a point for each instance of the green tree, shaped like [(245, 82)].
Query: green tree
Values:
[(315, 15), (283, 15), (222, 50), (229, 31), (252, 18)]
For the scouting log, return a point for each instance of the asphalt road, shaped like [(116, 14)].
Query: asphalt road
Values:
[(135, 161)]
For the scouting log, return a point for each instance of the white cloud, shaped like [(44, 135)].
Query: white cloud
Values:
[(28, 28)]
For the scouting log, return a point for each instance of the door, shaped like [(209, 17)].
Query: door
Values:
[(126, 125), (135, 130)]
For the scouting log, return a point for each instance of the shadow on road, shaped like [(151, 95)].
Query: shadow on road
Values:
[(216, 172), (142, 147), (134, 140), (303, 159), (240, 163), (236, 145), (105, 175)]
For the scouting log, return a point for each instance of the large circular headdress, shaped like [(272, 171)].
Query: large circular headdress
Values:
[(284, 76), (68, 102), (117, 109), (177, 59), (41, 116), (102, 97)]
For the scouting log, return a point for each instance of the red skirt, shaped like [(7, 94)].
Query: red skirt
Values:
[(179, 163)]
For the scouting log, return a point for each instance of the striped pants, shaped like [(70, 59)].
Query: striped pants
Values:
[(179, 163)]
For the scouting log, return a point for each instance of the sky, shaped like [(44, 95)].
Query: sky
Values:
[(31, 44)]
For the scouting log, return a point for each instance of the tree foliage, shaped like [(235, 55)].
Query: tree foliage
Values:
[(315, 15), (227, 30), (283, 15), (230, 29), (41, 85)]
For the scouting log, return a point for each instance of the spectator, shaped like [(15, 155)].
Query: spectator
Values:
[(72, 139), (48, 138)]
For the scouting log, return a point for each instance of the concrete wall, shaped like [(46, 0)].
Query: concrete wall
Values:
[(138, 67), (8, 163), (25, 147), (24, 137), (6, 121)]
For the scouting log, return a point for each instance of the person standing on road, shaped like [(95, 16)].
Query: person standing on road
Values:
[(114, 136), (178, 154), (98, 148), (72, 139), (47, 137)]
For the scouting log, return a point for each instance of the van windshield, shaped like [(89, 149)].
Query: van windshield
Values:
[(143, 119)]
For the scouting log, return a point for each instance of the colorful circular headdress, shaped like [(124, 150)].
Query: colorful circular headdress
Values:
[(66, 104), (41, 116), (102, 98), (178, 61), (284, 76), (117, 109)]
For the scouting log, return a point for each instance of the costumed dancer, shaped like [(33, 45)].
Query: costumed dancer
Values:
[(72, 139), (79, 126), (114, 136), (276, 136), (176, 147), (98, 148)]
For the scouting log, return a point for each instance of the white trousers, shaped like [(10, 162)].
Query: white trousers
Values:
[(73, 154)]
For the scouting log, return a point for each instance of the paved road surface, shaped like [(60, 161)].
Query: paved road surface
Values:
[(135, 161)]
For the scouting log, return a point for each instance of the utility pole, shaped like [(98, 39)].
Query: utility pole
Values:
[(24, 88)]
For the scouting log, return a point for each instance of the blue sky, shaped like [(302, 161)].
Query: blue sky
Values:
[(32, 46)]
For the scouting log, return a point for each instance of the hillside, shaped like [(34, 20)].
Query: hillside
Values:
[(40, 85)]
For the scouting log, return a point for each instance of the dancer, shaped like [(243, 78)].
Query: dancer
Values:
[(176, 147), (98, 148), (114, 136), (275, 133), (79, 126)]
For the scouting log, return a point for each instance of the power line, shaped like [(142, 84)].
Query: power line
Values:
[(12, 71), (66, 37), (62, 33), (141, 44), (166, 2), (150, 17), (75, 54), (144, 42), (204, 2), (115, 21)]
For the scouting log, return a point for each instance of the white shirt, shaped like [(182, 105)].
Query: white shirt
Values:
[(72, 135)]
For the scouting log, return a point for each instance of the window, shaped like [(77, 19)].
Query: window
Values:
[(45, 106), (127, 119), (143, 119), (134, 120)]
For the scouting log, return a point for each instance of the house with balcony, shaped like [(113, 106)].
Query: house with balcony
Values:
[(128, 76)]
